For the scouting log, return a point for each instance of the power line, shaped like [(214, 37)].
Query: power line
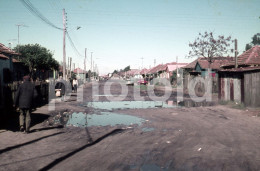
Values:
[(74, 47), (37, 13)]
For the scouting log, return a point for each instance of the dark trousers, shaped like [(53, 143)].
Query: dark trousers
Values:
[(75, 87), (25, 118)]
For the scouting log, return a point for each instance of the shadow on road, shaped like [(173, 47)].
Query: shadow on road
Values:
[(48, 128), (57, 161), (12, 120), (27, 143)]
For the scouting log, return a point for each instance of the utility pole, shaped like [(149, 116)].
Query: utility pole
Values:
[(64, 44), (142, 61), (85, 65), (176, 66), (70, 65), (154, 62), (235, 53), (18, 26), (91, 61)]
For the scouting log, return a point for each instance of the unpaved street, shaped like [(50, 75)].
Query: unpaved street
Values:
[(139, 136)]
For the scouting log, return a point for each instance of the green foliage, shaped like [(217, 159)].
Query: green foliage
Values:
[(255, 41), (115, 72), (126, 68), (174, 76), (37, 57)]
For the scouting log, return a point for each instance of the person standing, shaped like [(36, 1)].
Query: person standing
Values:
[(23, 100), (75, 85)]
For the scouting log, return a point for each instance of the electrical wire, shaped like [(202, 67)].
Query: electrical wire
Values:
[(73, 46), (37, 13)]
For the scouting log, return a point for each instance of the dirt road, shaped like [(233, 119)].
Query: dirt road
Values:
[(137, 136)]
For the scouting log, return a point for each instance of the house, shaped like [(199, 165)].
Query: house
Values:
[(80, 73), (201, 65), (133, 73), (156, 71), (169, 68), (6, 71), (115, 77), (241, 84)]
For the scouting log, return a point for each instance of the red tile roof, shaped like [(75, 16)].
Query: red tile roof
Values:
[(241, 69), (78, 70), (217, 62), (191, 65), (204, 64), (3, 56), (144, 71), (7, 50), (156, 69), (249, 57), (132, 72)]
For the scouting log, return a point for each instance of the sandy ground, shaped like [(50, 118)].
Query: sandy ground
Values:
[(197, 138)]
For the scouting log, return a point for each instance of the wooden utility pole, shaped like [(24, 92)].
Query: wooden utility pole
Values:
[(70, 65), (176, 66), (235, 53), (91, 62), (85, 64), (142, 61), (64, 45)]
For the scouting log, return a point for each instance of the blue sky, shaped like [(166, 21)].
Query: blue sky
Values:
[(121, 32)]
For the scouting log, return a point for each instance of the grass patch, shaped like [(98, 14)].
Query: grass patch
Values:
[(142, 87), (232, 104)]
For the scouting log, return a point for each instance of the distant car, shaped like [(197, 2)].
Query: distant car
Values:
[(142, 82)]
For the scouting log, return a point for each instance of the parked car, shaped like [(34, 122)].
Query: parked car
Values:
[(142, 82)]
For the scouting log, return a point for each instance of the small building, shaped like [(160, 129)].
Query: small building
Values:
[(80, 73), (133, 73), (201, 66), (241, 84), (169, 68)]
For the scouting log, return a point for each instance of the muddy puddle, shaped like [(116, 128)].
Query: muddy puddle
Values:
[(102, 119), (130, 105)]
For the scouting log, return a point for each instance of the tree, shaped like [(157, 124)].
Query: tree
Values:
[(127, 68), (205, 45), (255, 41), (37, 57), (115, 72)]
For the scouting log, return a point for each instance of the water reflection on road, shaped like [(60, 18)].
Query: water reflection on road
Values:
[(102, 119), (129, 105)]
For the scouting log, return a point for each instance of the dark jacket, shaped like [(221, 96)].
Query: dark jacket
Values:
[(24, 95), (60, 85)]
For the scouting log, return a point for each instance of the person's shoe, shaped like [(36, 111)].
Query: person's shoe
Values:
[(26, 132), (21, 128)]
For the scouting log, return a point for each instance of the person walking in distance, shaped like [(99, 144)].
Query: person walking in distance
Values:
[(75, 84), (24, 99)]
